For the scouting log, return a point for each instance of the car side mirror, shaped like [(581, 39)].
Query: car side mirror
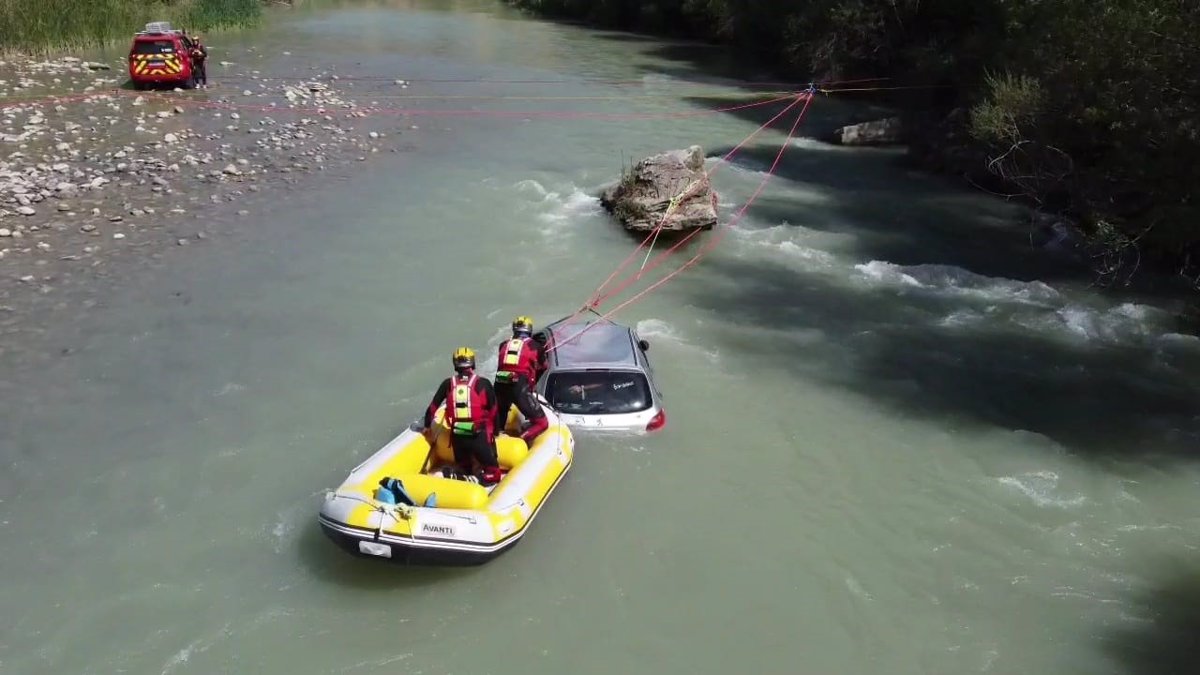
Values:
[(644, 345)]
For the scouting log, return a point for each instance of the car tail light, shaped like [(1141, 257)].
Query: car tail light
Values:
[(658, 421)]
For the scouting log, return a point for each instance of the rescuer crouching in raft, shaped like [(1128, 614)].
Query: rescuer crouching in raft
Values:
[(517, 370), (470, 413)]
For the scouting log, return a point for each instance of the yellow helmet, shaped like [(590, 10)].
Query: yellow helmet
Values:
[(522, 324), (464, 358)]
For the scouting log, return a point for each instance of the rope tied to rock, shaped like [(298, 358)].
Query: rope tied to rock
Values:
[(729, 225), (675, 202), (599, 296), (806, 97)]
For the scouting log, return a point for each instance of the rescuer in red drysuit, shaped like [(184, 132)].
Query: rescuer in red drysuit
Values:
[(199, 62), (470, 413), (520, 363)]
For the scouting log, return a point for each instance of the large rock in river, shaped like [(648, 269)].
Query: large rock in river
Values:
[(888, 131), (643, 195)]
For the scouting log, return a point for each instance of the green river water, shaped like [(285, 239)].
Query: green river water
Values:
[(900, 440)]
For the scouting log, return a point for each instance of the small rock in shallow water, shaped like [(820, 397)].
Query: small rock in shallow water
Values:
[(118, 235)]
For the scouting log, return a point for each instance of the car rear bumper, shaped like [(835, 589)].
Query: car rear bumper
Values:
[(159, 76)]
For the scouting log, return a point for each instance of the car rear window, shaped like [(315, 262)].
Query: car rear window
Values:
[(596, 392), (153, 47)]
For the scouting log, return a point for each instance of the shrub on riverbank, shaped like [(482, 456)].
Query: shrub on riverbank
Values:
[(1085, 107), (42, 25)]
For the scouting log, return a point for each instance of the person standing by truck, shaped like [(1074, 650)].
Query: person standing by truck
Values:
[(199, 62)]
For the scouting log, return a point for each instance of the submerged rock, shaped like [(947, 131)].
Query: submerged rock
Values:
[(887, 131), (641, 198)]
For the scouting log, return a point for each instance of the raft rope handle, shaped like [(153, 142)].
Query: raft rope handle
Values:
[(375, 507), (712, 243), (398, 512)]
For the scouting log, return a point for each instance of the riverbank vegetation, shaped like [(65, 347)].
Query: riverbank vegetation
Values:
[(1084, 108), (39, 26)]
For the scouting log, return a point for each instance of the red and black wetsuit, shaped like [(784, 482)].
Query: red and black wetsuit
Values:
[(520, 362), (199, 57), (471, 433)]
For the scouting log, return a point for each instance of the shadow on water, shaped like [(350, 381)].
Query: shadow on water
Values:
[(703, 63), (1166, 644), (329, 563), (1103, 395), (900, 218), (712, 64), (898, 346), (823, 117), (892, 213), (854, 172), (613, 36)]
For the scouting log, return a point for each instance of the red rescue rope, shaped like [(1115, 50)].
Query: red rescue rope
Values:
[(332, 108), (704, 250), (597, 296)]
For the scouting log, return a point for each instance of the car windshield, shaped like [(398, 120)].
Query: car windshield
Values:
[(595, 392), (154, 47)]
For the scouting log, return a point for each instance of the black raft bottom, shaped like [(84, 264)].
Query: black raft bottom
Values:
[(414, 555)]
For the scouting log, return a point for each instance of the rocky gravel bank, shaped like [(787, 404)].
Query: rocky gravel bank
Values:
[(95, 177)]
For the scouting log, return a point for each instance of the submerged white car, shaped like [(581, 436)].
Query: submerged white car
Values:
[(599, 377)]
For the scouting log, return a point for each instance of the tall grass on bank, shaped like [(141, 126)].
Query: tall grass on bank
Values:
[(38, 26)]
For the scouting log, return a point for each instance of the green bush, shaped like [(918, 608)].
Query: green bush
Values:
[(1011, 108)]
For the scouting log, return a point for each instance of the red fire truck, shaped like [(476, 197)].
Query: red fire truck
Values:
[(161, 55)]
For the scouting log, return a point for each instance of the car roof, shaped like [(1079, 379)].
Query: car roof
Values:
[(595, 344)]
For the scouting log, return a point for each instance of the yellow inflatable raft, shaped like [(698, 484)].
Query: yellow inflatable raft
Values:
[(453, 522)]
